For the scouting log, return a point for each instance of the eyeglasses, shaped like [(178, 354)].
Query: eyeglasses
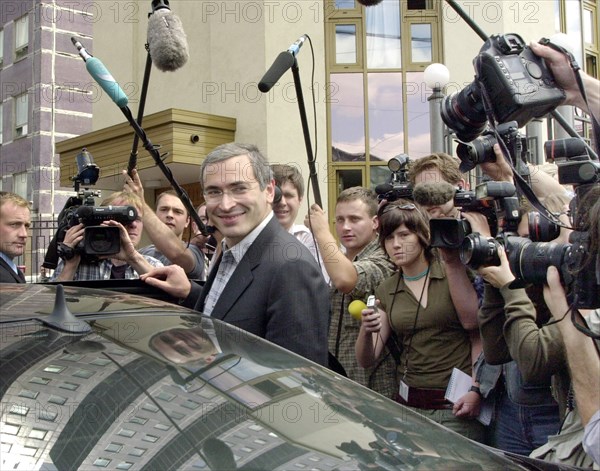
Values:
[(215, 195), (406, 206)]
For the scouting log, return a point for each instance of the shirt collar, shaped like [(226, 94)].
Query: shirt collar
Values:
[(239, 250), (10, 262)]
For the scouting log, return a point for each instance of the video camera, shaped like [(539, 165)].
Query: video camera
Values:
[(98, 240), (398, 187), (512, 79)]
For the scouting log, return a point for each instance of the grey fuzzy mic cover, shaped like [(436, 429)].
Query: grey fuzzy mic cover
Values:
[(167, 41)]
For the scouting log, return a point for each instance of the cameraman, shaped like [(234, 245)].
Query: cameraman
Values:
[(127, 264)]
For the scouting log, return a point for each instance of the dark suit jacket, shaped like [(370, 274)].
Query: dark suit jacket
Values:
[(277, 292), (7, 275)]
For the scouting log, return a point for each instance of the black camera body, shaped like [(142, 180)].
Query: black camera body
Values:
[(398, 187), (99, 240), (512, 79), (490, 199)]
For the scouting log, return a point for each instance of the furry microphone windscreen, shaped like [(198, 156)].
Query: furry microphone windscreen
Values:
[(433, 193), (167, 41)]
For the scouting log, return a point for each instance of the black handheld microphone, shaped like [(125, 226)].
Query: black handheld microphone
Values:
[(282, 63), (167, 42), (433, 193)]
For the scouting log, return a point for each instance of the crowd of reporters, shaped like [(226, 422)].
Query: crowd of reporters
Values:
[(531, 354)]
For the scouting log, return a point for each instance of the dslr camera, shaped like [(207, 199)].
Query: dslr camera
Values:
[(398, 187), (512, 79), (98, 240)]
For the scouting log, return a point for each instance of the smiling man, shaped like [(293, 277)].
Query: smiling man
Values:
[(15, 219), (265, 281)]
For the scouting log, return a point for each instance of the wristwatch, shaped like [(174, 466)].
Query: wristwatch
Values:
[(475, 389), (65, 251)]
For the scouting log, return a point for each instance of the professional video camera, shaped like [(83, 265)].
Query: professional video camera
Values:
[(98, 240), (512, 79), (449, 232), (398, 187)]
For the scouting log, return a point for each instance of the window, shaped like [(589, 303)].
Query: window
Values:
[(21, 115), (1, 47), (377, 106), (21, 37), (1, 123)]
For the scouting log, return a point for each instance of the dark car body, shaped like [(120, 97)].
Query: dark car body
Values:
[(139, 383)]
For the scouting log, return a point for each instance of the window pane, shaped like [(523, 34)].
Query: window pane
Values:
[(386, 137), (420, 43), (419, 4), (417, 106), (345, 44), (588, 36), (1, 44), (21, 32), (347, 117), (344, 4), (21, 106), (383, 36)]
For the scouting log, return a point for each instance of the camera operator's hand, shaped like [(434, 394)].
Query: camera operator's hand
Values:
[(74, 235), (171, 279), (563, 73), (499, 170), (554, 294), (127, 252), (478, 222), (498, 276)]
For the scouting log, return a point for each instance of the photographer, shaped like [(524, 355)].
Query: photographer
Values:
[(509, 331), (127, 264)]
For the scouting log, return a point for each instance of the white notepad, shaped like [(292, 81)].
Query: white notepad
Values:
[(459, 385)]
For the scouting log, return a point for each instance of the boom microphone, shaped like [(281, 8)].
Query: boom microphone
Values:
[(167, 42), (282, 63), (433, 193), (102, 76), (369, 3)]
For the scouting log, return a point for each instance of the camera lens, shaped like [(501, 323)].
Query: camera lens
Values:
[(101, 240), (565, 149), (478, 251), (463, 112), (448, 232), (529, 261), (478, 151), (540, 229)]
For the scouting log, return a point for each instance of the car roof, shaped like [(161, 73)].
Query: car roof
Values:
[(153, 385)]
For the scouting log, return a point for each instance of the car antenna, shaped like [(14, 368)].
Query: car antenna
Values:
[(62, 318)]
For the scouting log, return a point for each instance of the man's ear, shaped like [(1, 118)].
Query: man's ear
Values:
[(187, 222), (270, 189), (375, 223), (463, 184)]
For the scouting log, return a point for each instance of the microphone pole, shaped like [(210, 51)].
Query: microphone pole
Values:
[(133, 156), (314, 179), (103, 77)]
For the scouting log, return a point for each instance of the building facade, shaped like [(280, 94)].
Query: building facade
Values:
[(362, 67)]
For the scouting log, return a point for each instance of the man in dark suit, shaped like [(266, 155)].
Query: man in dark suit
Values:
[(15, 219), (265, 281)]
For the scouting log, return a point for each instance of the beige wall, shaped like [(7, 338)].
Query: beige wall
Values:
[(231, 45)]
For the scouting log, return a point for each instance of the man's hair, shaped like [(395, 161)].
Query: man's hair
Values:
[(363, 194), (130, 198), (259, 163), (169, 193), (283, 173), (8, 197), (391, 216), (446, 164)]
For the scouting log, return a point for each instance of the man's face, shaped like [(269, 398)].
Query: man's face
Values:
[(184, 346), (172, 212), (287, 209), (235, 204), (14, 223), (354, 225), (433, 175)]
